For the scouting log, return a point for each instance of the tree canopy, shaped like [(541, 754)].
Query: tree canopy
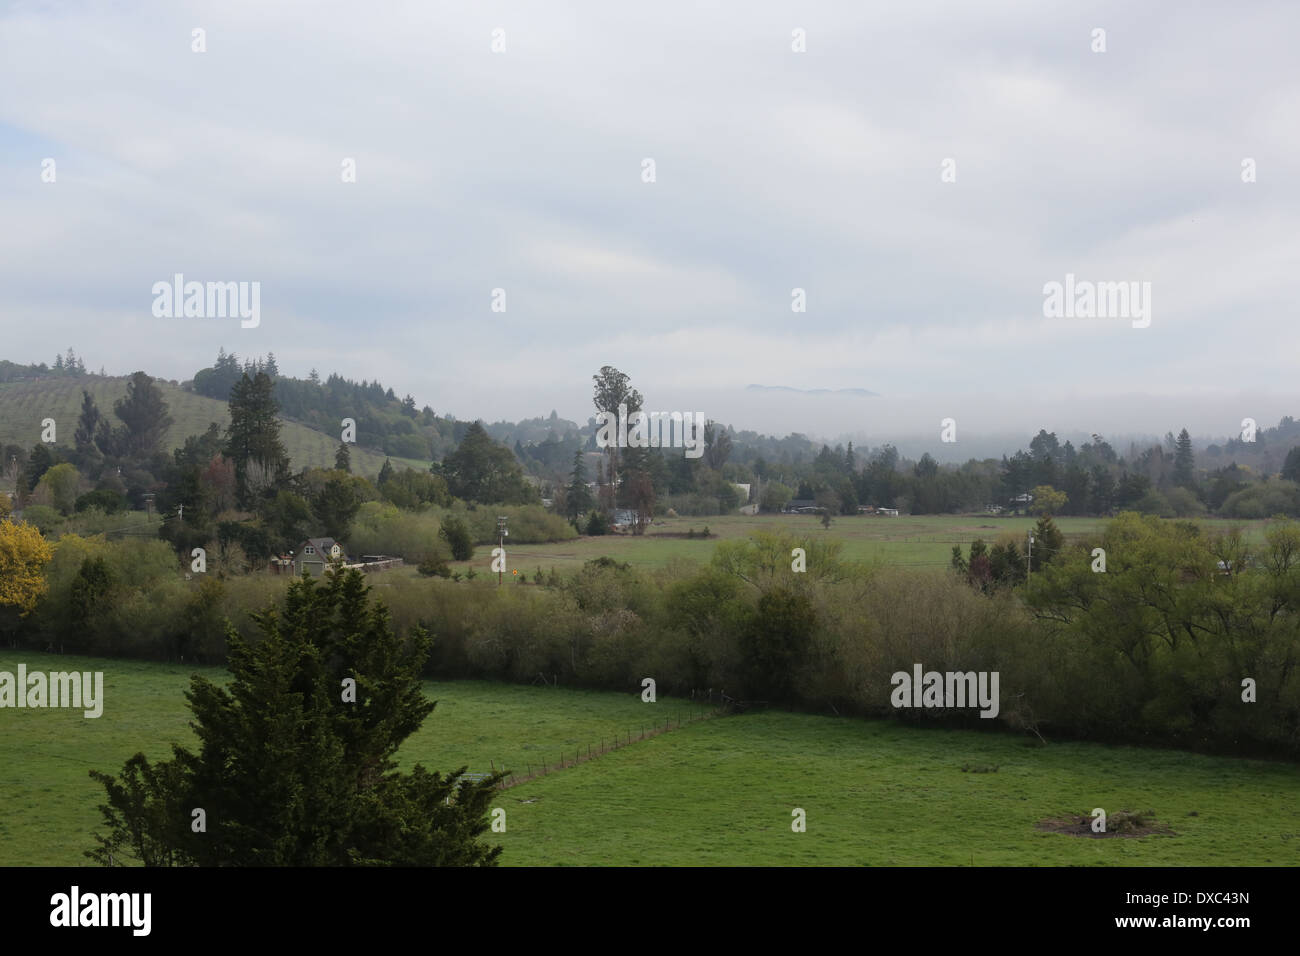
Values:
[(295, 762), (483, 471)]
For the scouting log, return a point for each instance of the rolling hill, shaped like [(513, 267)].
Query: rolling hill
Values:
[(23, 405)]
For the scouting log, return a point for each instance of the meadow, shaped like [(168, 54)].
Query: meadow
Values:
[(718, 791), (923, 542)]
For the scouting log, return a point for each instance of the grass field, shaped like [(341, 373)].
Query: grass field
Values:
[(23, 405), (717, 791), (922, 541), (47, 800)]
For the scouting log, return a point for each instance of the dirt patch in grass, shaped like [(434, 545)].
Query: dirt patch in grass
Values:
[(1122, 823)]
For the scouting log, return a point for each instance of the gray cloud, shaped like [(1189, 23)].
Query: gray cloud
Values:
[(776, 170)]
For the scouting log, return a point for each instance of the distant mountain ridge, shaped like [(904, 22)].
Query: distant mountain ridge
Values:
[(861, 392)]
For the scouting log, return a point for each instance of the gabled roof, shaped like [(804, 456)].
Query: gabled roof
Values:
[(320, 545)]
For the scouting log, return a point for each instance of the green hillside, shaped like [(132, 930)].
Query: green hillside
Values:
[(24, 404)]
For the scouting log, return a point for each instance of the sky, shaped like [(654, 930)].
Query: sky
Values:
[(921, 171)]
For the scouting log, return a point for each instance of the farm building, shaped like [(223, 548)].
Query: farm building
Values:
[(315, 553)]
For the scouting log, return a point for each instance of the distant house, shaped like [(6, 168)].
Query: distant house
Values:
[(315, 553), (887, 512), (800, 506), (744, 491), (624, 518)]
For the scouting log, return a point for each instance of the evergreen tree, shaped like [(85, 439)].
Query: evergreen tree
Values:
[(253, 439), (578, 496), (270, 367), (1184, 461), (1291, 467), (295, 762), (335, 505), (38, 463), (144, 414), (1048, 542), (88, 423), (385, 472), (481, 470), (343, 458)]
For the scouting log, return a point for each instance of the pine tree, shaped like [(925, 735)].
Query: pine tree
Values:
[(253, 439), (343, 458), (144, 414), (295, 762), (1048, 542), (1291, 466), (1184, 461), (38, 463), (578, 496), (88, 423), (385, 472)]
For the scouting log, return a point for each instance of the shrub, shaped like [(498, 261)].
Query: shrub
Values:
[(106, 499), (43, 516), (528, 524), (455, 532), (434, 565)]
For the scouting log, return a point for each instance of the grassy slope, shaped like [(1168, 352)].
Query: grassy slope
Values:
[(24, 404), (715, 792)]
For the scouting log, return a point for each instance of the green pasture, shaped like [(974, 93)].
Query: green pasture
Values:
[(716, 791)]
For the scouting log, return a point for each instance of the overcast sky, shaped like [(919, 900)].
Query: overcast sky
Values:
[(774, 170)]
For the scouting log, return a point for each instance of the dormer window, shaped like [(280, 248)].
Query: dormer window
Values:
[(309, 550)]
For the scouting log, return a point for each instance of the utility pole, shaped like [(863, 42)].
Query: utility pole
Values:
[(502, 534), (1029, 559)]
